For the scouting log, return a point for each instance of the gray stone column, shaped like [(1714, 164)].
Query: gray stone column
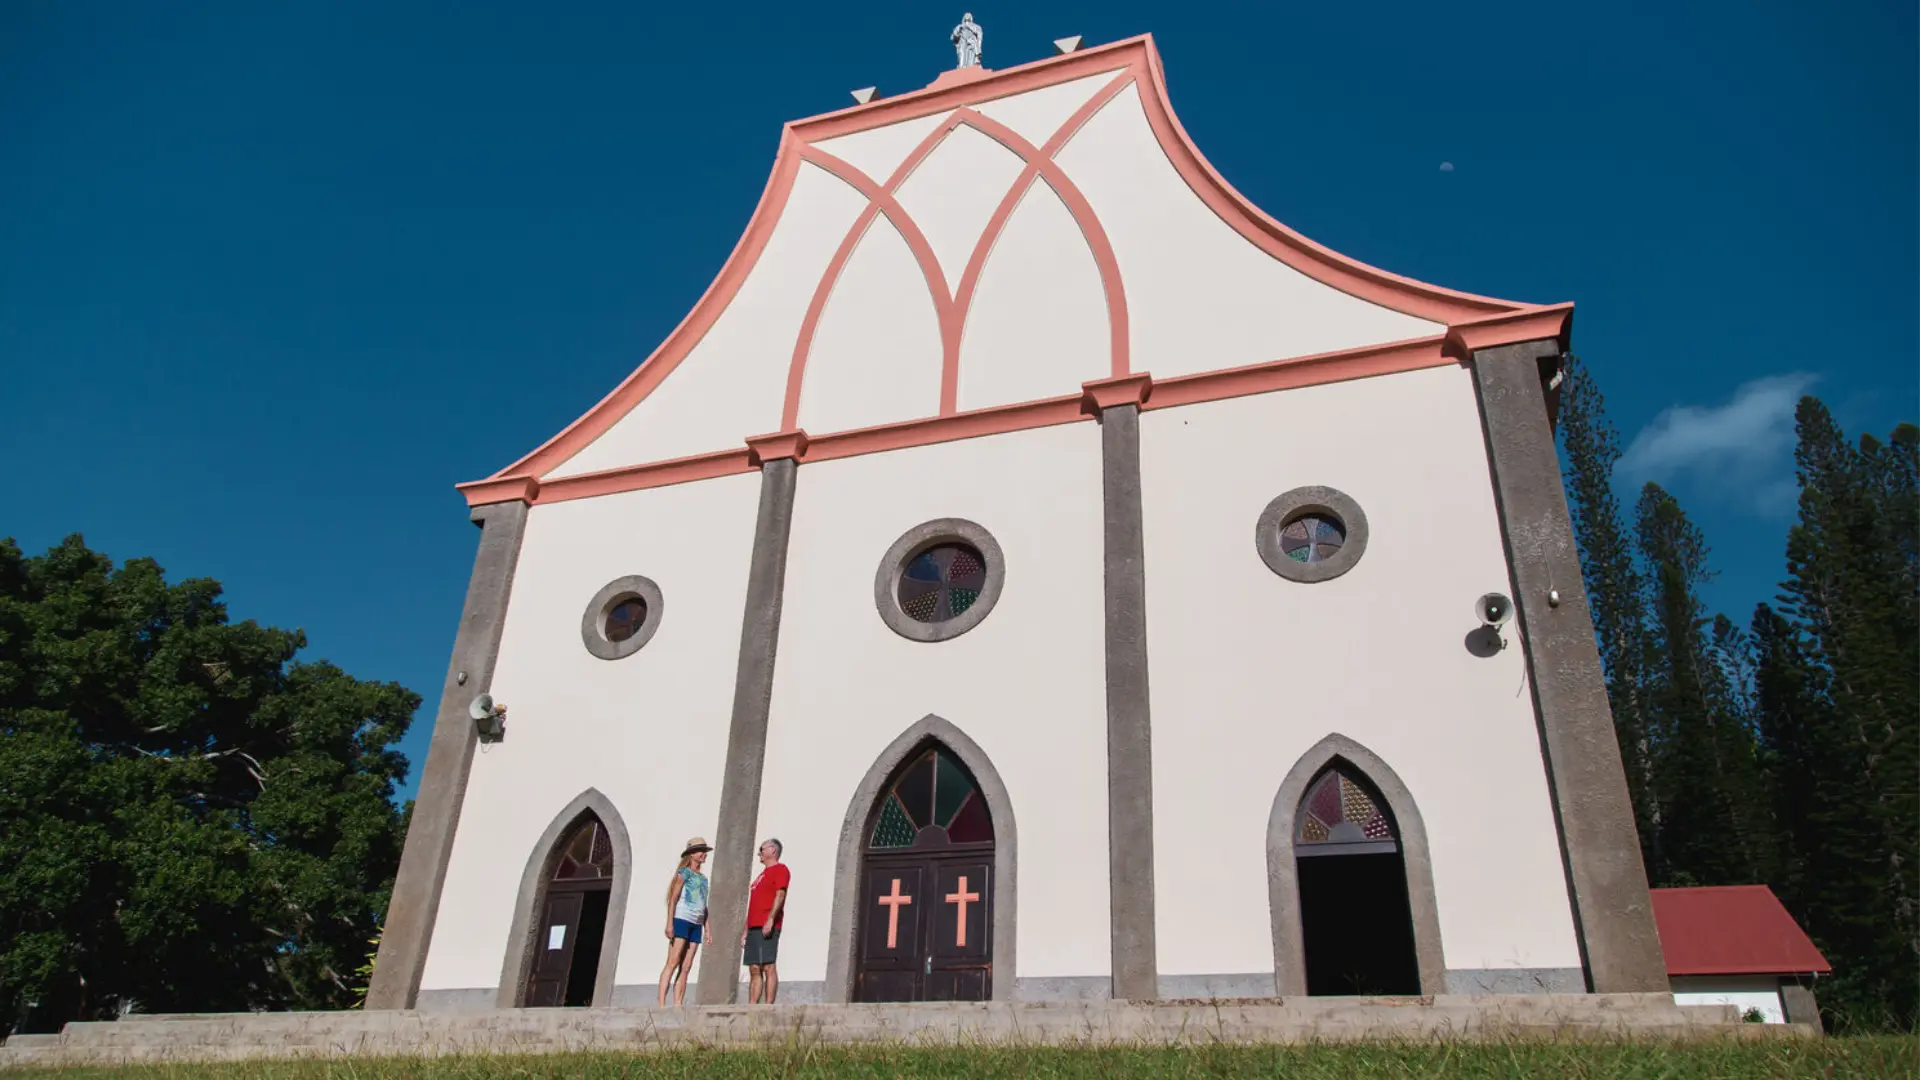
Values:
[(1599, 843), (443, 782), (734, 838), (1129, 724)]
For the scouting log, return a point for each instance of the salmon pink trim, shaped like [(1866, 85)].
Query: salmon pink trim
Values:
[(936, 98), (1106, 393), (640, 477), (953, 307), (1138, 387), (880, 200), (1532, 324), (1299, 371), (1318, 262), (655, 369), (1040, 163), (998, 420), (781, 444), (500, 489), (1474, 322)]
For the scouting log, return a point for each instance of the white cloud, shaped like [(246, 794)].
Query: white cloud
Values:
[(1741, 451), (1446, 166)]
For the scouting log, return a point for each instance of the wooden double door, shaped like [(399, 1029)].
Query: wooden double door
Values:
[(926, 927)]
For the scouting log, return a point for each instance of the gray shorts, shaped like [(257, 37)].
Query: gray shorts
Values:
[(761, 948)]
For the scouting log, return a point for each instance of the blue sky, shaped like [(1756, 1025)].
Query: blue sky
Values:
[(274, 277)]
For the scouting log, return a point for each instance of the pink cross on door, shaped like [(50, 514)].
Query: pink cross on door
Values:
[(961, 897), (893, 902)]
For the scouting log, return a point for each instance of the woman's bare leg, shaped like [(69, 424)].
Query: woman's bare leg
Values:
[(666, 973), (686, 969)]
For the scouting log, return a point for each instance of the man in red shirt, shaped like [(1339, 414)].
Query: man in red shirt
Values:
[(766, 906)]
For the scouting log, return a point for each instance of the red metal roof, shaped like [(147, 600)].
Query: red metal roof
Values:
[(1732, 930)]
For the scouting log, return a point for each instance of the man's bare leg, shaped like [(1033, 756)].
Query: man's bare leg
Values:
[(754, 983), (771, 981)]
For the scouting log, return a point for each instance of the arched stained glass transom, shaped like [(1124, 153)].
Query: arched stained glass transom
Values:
[(932, 796), (587, 854), (1341, 815), (1312, 538), (942, 582)]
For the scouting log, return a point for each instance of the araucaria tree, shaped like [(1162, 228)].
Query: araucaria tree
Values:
[(189, 818), (1839, 704), (1787, 753)]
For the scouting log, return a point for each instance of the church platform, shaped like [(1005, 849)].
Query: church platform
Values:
[(213, 1037)]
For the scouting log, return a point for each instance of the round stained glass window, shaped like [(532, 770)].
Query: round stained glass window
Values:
[(626, 618), (942, 582), (1312, 538), (939, 580), (622, 617), (1311, 534)]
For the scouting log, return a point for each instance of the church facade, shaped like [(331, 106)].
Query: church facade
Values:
[(1079, 572)]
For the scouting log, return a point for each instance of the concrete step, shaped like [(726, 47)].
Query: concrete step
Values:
[(231, 1036)]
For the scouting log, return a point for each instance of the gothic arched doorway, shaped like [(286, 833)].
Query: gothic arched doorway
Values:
[(1356, 923), (926, 886), (573, 918)]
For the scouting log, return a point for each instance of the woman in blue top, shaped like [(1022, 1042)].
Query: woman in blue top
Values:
[(686, 915)]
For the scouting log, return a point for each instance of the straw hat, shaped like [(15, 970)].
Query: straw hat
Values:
[(698, 843)]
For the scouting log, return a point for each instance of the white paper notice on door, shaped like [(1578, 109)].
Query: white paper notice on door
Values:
[(556, 936)]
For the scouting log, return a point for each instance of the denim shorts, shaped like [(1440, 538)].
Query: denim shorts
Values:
[(689, 930), (761, 948)]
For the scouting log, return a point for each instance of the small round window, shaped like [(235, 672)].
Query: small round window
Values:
[(621, 617), (625, 619), (1311, 534), (939, 580), (942, 582)]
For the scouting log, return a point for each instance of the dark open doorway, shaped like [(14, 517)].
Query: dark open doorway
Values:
[(1356, 924), (573, 920)]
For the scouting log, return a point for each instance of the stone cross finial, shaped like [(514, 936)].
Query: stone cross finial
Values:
[(966, 40)]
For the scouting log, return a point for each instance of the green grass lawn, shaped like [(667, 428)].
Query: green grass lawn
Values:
[(1865, 1056)]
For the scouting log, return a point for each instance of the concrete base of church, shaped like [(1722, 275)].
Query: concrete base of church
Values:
[(183, 1038)]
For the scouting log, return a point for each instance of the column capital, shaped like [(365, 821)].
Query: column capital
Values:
[(772, 447), (1101, 394)]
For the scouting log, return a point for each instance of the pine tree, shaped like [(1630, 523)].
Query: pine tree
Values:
[(1714, 829), (1615, 588), (1851, 593)]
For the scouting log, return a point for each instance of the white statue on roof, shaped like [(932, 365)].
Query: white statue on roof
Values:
[(966, 40)]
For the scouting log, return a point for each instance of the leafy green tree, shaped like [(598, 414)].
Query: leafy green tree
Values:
[(190, 819)]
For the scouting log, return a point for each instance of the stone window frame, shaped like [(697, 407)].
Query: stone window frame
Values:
[(1311, 500), (886, 580), (593, 622)]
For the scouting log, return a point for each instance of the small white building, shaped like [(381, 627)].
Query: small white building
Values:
[(1737, 945), (1079, 571)]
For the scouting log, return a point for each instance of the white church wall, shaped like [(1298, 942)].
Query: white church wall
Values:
[(733, 383), (1027, 684), (649, 731), (1250, 670), (1200, 296)]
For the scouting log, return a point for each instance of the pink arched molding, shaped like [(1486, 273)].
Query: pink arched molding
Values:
[(953, 304), (1472, 321)]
